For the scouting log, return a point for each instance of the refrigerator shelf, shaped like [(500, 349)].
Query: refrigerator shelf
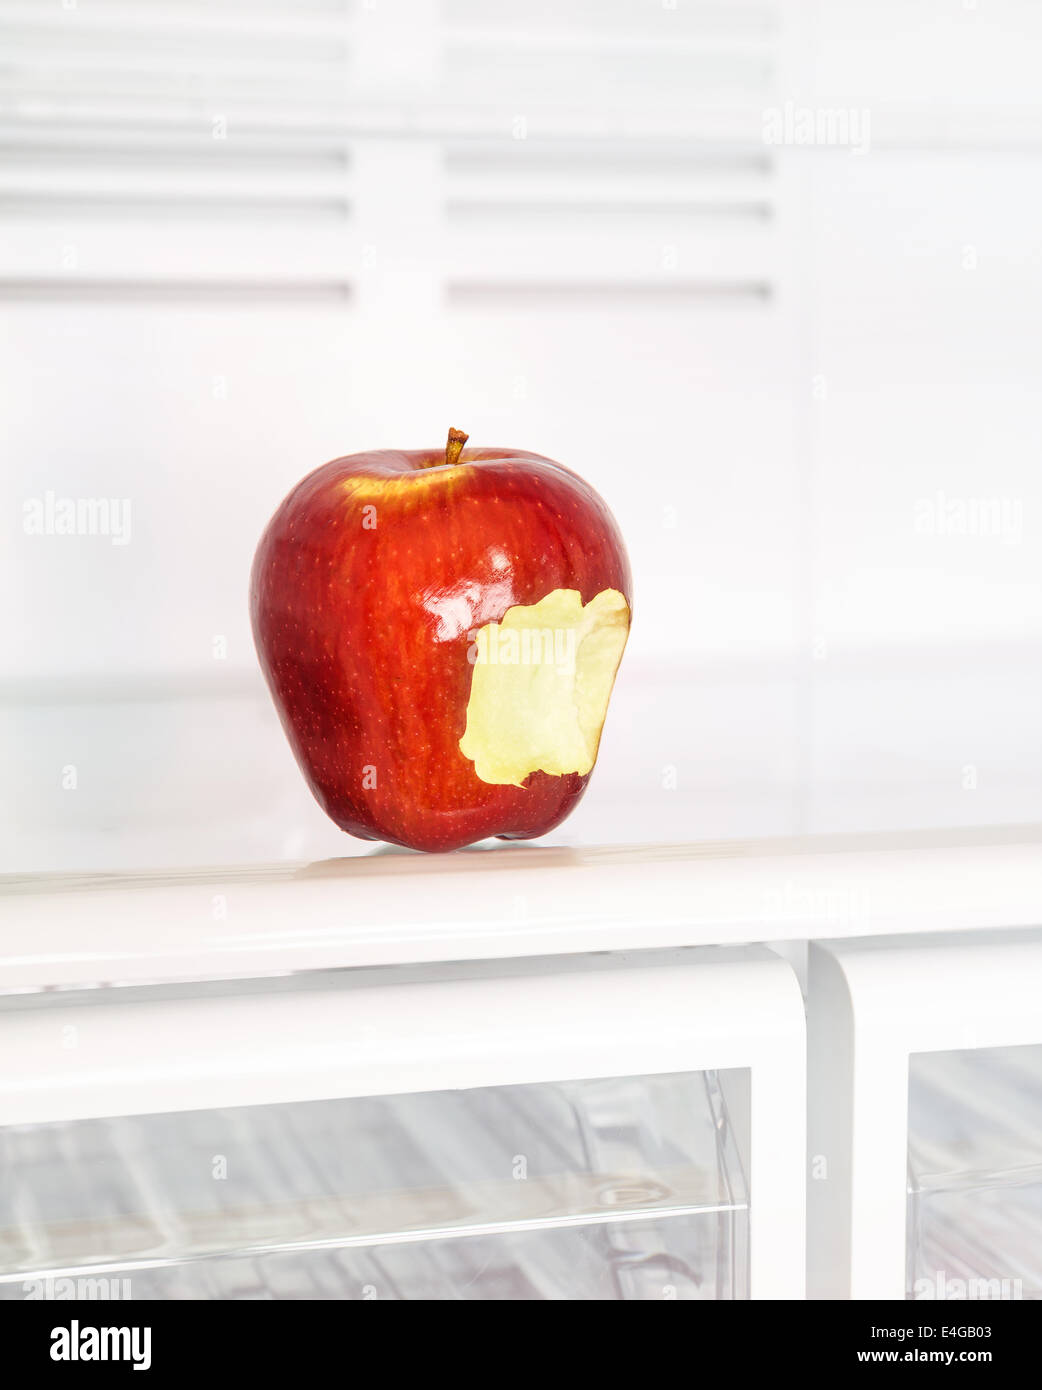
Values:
[(496, 904)]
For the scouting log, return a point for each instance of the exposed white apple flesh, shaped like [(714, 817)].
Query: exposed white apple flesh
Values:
[(542, 680)]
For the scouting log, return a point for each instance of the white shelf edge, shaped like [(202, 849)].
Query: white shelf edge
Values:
[(394, 909)]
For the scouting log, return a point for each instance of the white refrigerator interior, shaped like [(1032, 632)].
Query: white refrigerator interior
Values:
[(769, 276)]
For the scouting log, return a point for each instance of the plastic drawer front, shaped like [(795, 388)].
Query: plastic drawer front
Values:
[(925, 1117), (975, 1174), (412, 1134), (598, 1189)]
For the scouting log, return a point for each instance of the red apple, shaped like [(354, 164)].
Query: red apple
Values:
[(440, 631)]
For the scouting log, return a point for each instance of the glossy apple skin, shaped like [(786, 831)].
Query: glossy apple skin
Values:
[(361, 621)]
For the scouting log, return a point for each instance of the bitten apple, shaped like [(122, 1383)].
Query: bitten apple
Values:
[(440, 631)]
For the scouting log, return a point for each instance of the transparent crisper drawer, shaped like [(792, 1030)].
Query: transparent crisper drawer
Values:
[(620, 1189), (975, 1174)]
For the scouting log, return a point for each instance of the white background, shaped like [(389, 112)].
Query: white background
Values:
[(235, 243)]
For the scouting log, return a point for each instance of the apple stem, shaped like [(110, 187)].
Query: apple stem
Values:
[(454, 446)]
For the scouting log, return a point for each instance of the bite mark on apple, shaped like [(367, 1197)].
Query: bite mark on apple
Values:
[(543, 676)]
